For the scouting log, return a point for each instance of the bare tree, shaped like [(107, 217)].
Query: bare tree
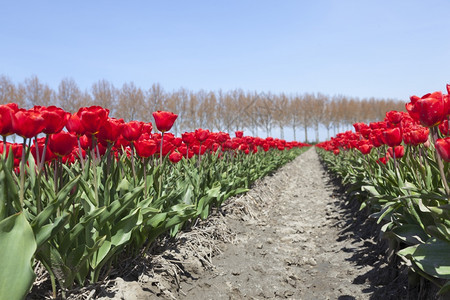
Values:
[(37, 93), (10, 93), (69, 95), (131, 102), (105, 95)]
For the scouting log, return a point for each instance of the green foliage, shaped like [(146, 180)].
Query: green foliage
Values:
[(16, 252), (410, 201)]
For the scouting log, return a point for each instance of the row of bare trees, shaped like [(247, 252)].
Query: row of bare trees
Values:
[(216, 110)]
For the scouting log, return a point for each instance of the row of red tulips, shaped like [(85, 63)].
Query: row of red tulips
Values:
[(400, 166), (92, 127), (430, 112)]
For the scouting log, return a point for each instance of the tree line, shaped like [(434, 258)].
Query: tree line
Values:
[(215, 110)]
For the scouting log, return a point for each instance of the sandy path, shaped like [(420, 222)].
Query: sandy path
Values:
[(293, 247)]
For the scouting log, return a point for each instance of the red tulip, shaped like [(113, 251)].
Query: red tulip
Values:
[(399, 151), (185, 152), (74, 125), (131, 131), (6, 112), (394, 117), (86, 142), (432, 109), (222, 137), (443, 148), (383, 160), (374, 140), (110, 130), (145, 148), (121, 142), (27, 123), (239, 134), (201, 134), (147, 128), (188, 138), (62, 143), (92, 118), (177, 142), (164, 120), (393, 136), (365, 148), (175, 157), (199, 150), (419, 136), (48, 154), (443, 128), (55, 118)]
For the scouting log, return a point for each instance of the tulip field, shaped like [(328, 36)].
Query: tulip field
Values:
[(399, 168), (83, 189)]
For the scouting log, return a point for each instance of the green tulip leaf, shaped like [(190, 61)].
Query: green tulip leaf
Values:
[(17, 250), (433, 258), (410, 234)]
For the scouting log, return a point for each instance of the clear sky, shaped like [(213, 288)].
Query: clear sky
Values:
[(389, 49)]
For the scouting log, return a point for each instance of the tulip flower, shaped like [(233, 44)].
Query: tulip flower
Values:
[(201, 135), (444, 128), (443, 148), (6, 112), (365, 148), (164, 120), (394, 117), (145, 148), (55, 118), (419, 136), (239, 134), (383, 160), (27, 123), (110, 130), (92, 118), (393, 136), (62, 143), (74, 125), (132, 130), (175, 157), (431, 109), (397, 152), (188, 138)]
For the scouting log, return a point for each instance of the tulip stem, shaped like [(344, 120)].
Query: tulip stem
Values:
[(200, 154), (55, 176), (160, 163), (161, 148), (95, 160), (22, 174), (434, 131), (4, 147), (80, 153), (395, 160), (41, 165), (145, 162), (132, 162), (38, 158)]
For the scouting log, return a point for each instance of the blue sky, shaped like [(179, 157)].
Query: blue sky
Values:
[(384, 49)]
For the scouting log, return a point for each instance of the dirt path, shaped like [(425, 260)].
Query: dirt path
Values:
[(291, 237), (291, 249)]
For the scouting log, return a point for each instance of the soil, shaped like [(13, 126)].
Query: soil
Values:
[(294, 235)]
